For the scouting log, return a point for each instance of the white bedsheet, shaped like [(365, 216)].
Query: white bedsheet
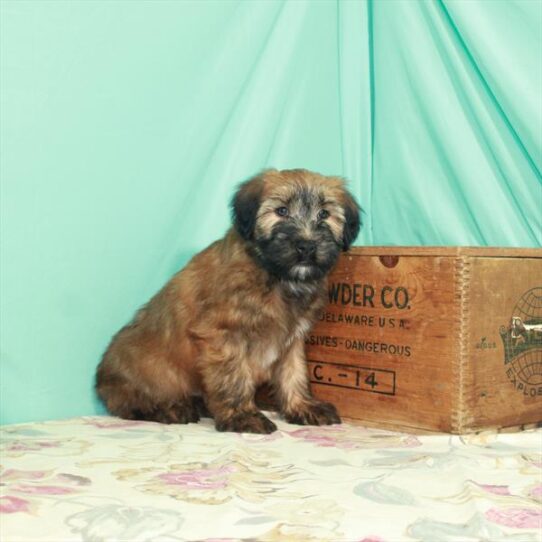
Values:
[(104, 479)]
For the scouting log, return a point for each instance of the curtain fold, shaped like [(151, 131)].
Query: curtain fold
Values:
[(455, 158)]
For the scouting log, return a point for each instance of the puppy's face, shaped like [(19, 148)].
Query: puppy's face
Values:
[(296, 221)]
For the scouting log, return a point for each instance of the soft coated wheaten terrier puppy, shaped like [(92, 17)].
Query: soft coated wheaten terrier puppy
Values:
[(236, 316)]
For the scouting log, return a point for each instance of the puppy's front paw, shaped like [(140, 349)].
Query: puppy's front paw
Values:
[(315, 413), (247, 422)]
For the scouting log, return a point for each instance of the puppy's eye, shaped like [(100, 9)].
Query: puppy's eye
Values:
[(282, 211), (323, 214)]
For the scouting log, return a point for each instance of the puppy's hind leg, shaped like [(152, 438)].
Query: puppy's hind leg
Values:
[(182, 411), (125, 400)]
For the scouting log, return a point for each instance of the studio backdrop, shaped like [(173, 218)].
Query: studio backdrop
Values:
[(126, 125)]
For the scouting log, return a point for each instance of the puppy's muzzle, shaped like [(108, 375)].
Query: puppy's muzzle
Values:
[(305, 250)]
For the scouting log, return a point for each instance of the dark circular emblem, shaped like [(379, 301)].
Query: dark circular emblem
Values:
[(522, 340)]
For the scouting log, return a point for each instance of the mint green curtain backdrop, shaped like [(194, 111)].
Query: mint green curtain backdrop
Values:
[(125, 126)]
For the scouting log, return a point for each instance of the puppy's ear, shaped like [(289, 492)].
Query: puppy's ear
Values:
[(245, 205), (352, 221)]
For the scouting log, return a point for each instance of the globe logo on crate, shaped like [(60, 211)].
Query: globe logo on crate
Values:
[(522, 341)]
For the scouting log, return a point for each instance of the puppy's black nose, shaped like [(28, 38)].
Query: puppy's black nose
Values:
[(305, 249)]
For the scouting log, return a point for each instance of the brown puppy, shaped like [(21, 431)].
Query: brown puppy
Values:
[(236, 316)]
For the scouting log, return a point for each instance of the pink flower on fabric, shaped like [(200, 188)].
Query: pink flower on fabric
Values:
[(410, 442), (526, 518), (9, 505), (346, 438), (113, 423), (20, 446), (199, 479), (372, 539), (536, 492), (321, 438), (43, 490), (16, 474), (496, 490)]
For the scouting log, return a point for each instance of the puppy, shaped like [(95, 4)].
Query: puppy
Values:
[(236, 316)]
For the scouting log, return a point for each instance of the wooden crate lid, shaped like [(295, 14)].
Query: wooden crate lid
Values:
[(487, 252)]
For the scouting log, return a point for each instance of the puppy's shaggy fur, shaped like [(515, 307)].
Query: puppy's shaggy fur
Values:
[(236, 316)]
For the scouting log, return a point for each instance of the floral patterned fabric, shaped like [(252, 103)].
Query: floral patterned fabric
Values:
[(103, 479)]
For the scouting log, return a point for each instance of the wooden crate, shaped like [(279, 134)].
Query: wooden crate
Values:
[(437, 339)]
